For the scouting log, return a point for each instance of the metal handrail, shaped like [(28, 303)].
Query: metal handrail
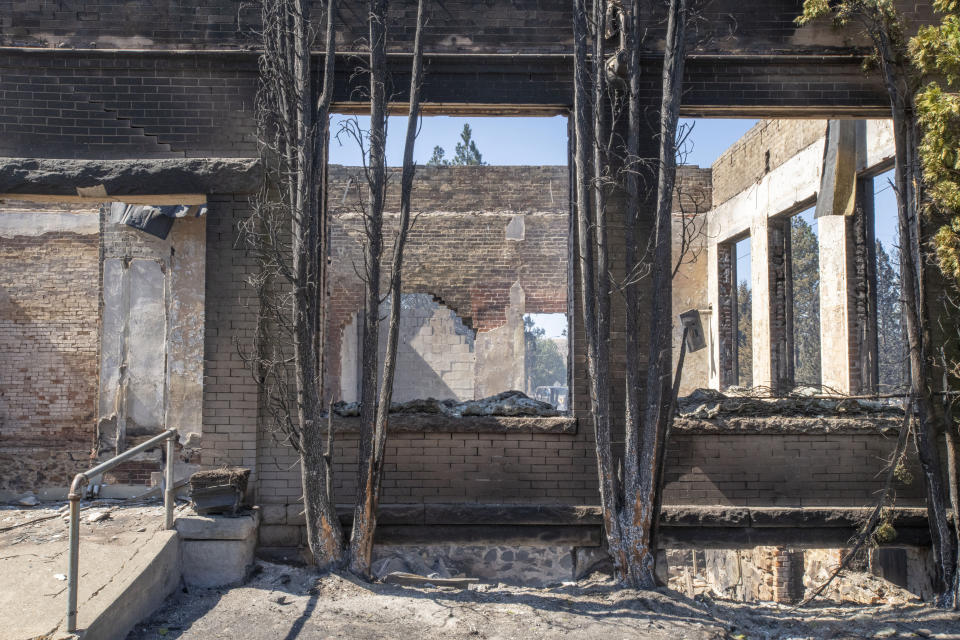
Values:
[(76, 494)]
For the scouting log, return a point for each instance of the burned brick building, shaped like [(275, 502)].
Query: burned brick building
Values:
[(108, 334)]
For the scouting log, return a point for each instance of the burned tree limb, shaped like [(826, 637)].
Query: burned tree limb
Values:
[(373, 441), (364, 508), (286, 236)]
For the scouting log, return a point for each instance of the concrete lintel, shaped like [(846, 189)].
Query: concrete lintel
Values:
[(52, 177), (789, 425), (440, 516), (426, 422), (580, 536), (794, 537)]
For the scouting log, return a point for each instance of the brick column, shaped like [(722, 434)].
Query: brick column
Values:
[(848, 277), (727, 314), (772, 303), (788, 576)]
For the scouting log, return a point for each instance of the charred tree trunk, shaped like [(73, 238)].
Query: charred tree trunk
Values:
[(629, 505), (908, 182), (588, 237), (361, 542), (643, 510), (364, 509), (289, 282)]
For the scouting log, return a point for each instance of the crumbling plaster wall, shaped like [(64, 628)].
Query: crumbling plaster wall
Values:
[(152, 338), (772, 172), (48, 343), (436, 356)]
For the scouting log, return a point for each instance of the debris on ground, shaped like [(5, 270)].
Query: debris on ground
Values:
[(306, 605), (97, 516), (412, 579), (28, 500), (506, 404)]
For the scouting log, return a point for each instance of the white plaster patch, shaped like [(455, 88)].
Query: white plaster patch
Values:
[(38, 223), (516, 228), (111, 343), (457, 40), (880, 143), (146, 347)]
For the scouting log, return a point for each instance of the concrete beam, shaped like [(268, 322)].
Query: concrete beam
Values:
[(434, 423), (122, 179)]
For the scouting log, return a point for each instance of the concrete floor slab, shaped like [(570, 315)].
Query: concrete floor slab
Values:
[(113, 553)]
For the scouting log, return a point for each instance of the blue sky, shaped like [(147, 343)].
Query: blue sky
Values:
[(519, 141)]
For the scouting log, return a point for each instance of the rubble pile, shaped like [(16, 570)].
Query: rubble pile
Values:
[(507, 404), (707, 404)]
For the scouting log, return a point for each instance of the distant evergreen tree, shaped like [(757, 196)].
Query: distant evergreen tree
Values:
[(891, 337), (543, 362), (806, 302), (744, 334), (437, 157), (465, 153)]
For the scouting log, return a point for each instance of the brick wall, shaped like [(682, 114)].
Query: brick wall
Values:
[(781, 469), (48, 347), (48, 336), (496, 26), (765, 147), (125, 106), (692, 199), (230, 399), (435, 352)]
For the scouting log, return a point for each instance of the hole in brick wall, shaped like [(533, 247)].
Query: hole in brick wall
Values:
[(545, 358)]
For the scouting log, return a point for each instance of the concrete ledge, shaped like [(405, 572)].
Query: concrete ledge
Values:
[(129, 177), (435, 423), (690, 516), (689, 526), (477, 514), (217, 527), (793, 425), (578, 536), (800, 537), (137, 591), (831, 517)]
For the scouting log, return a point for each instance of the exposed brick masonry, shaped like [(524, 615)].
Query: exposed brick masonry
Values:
[(48, 351)]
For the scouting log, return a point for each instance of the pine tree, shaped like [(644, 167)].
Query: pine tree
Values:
[(466, 150), (744, 334), (891, 341), (806, 302), (465, 153)]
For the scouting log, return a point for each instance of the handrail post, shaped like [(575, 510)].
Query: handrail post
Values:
[(168, 494), (75, 495)]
